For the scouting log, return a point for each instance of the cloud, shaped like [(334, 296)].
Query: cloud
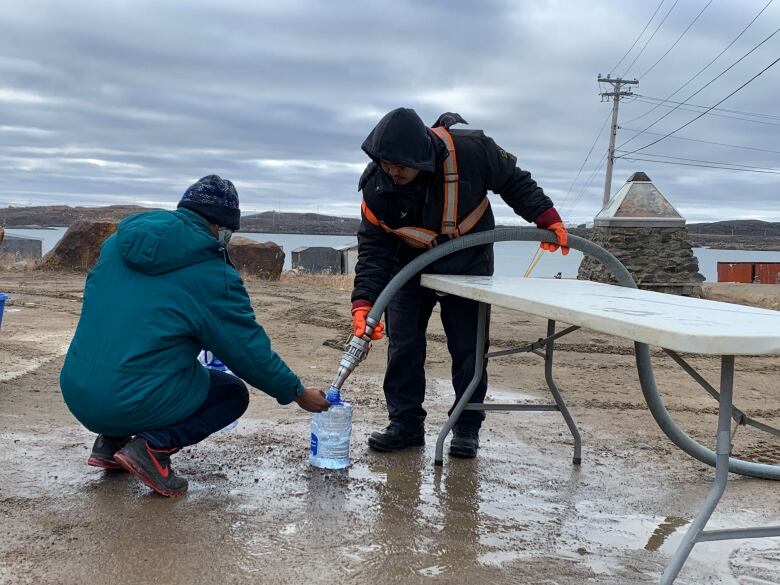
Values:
[(127, 102)]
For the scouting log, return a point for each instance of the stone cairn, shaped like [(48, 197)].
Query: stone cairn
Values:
[(648, 235)]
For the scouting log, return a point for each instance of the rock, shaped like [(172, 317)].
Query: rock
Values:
[(2, 234), (79, 248), (659, 258), (264, 260)]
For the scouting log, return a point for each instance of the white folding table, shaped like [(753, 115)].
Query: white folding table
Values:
[(676, 324)]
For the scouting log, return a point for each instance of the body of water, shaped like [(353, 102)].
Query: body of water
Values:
[(512, 258)]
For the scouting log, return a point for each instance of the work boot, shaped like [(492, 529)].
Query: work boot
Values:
[(465, 443), (152, 466), (103, 451), (397, 436)]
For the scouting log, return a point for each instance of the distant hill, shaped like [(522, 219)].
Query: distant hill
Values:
[(62, 215), (268, 221), (273, 222), (739, 227), (748, 234)]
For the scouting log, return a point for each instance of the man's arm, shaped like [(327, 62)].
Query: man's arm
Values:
[(233, 334), (374, 269), (516, 186)]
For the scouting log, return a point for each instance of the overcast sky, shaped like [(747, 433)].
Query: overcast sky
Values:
[(131, 101)]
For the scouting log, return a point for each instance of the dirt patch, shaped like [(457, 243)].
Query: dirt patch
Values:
[(256, 512)]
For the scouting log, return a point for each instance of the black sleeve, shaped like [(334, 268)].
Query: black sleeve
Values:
[(374, 269), (514, 185)]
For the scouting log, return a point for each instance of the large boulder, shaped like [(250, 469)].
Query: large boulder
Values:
[(264, 260), (79, 248)]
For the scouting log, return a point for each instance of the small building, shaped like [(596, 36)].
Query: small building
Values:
[(746, 272), (349, 257), (21, 247), (648, 235), (316, 259)]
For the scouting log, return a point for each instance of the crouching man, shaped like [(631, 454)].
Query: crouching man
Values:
[(163, 289)]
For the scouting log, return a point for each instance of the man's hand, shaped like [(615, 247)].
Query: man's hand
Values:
[(561, 235), (359, 315), (313, 400)]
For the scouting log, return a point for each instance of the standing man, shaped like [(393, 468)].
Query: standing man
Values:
[(163, 289), (423, 187)]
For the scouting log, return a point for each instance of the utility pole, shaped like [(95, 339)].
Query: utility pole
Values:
[(615, 94)]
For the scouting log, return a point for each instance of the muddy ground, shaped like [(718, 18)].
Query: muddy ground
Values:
[(257, 513)]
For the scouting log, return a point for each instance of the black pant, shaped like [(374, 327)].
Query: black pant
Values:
[(407, 319), (226, 401)]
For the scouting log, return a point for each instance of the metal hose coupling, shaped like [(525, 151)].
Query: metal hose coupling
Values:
[(355, 352)]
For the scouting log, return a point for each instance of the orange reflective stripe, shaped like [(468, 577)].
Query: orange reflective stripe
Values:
[(472, 219), (413, 236), (369, 214), (449, 219), (416, 237)]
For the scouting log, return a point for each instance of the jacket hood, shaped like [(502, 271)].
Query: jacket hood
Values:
[(156, 242), (401, 137)]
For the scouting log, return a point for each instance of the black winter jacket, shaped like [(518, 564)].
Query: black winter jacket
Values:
[(401, 137)]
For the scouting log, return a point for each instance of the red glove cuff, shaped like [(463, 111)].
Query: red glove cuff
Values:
[(547, 218), (359, 304)]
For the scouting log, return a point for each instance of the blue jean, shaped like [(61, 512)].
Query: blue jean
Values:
[(225, 402)]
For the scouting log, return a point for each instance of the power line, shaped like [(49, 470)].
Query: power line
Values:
[(587, 156), (705, 86), (597, 168), (688, 123), (669, 50), (741, 112), (633, 159), (642, 50), (707, 66), (706, 141), (636, 40), (687, 108), (712, 162)]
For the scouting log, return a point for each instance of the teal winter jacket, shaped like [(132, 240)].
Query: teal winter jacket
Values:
[(161, 291)]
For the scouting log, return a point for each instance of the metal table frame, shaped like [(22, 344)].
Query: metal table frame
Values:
[(480, 364), (720, 458), (726, 412)]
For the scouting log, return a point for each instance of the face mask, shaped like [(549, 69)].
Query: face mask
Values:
[(223, 235)]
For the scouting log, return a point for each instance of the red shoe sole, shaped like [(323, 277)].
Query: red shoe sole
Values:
[(102, 463), (127, 464)]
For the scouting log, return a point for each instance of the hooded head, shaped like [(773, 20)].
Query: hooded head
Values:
[(401, 138), (215, 199)]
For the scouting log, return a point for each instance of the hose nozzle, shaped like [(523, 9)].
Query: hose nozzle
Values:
[(355, 352)]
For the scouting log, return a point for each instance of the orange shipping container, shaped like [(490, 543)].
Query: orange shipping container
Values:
[(735, 272), (768, 272)]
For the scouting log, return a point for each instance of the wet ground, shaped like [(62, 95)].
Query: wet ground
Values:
[(257, 513)]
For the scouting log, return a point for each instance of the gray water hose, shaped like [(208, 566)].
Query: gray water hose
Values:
[(642, 351)]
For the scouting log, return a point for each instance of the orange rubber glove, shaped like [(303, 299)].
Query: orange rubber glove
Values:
[(561, 234), (359, 315)]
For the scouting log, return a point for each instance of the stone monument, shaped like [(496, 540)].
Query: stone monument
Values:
[(648, 235)]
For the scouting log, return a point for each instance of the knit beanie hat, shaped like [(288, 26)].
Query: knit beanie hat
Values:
[(215, 199)]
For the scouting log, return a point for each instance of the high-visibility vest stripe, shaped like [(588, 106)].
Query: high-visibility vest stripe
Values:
[(418, 237), (449, 219), (472, 219)]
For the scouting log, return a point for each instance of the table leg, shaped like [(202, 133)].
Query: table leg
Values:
[(479, 367), (723, 450), (548, 366)]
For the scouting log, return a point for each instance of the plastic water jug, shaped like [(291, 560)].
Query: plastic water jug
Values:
[(209, 360), (330, 433)]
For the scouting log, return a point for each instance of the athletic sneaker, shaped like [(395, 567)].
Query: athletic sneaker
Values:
[(152, 466), (103, 451)]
